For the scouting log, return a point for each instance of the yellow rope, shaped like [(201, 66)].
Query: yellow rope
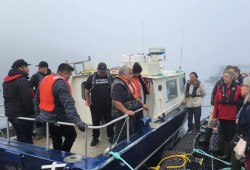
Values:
[(182, 156)]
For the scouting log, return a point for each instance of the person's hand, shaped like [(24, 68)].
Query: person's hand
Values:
[(88, 102), (145, 107), (130, 113), (236, 121), (81, 125)]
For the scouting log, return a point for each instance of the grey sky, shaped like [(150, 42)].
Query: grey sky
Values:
[(215, 31)]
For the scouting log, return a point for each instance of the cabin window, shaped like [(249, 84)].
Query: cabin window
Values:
[(182, 84), (160, 87), (171, 90), (83, 90)]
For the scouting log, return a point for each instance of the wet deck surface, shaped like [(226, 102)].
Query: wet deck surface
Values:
[(79, 143)]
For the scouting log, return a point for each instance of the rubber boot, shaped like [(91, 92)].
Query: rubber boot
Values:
[(208, 133), (227, 152), (235, 164), (219, 145)]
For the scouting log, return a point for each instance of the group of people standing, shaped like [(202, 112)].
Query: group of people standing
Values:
[(47, 97), (229, 115), (111, 97)]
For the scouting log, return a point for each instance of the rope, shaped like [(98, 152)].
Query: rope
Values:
[(117, 156), (206, 154), (182, 156)]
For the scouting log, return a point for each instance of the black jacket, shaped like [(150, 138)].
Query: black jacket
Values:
[(17, 94)]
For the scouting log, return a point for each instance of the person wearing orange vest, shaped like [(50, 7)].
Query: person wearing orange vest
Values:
[(18, 97), (54, 102), (124, 101), (141, 87)]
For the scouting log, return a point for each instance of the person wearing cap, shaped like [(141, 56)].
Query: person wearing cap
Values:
[(54, 103), (243, 128), (40, 129), (18, 102), (193, 96), (98, 98), (37, 77), (141, 87)]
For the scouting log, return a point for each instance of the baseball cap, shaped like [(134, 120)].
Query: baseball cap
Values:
[(102, 67), (246, 81), (19, 63), (43, 64)]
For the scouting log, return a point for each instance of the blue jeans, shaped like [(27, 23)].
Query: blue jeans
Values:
[(23, 129)]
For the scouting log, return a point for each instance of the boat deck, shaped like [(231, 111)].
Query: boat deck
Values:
[(78, 146)]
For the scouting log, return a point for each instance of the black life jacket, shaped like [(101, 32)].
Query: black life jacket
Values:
[(230, 99), (196, 86), (93, 86)]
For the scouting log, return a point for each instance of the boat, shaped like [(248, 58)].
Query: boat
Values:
[(159, 129)]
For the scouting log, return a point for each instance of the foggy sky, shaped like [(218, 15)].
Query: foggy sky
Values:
[(215, 32)]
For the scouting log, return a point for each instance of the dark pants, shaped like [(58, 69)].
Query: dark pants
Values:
[(23, 130), (228, 129), (57, 132), (121, 128), (139, 116), (196, 112), (99, 111)]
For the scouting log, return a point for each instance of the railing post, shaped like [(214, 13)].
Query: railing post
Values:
[(47, 135), (8, 130), (127, 129), (86, 144)]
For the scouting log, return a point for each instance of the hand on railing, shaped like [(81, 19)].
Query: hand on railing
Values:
[(145, 107), (81, 125)]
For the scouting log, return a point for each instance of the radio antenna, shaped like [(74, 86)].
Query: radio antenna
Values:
[(142, 37), (181, 48)]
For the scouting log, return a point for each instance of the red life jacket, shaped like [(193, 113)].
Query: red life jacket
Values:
[(130, 86), (46, 93)]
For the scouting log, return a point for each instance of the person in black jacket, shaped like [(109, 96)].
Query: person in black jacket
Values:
[(18, 97), (43, 70), (38, 76)]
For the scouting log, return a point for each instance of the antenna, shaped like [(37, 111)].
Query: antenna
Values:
[(181, 48), (142, 37)]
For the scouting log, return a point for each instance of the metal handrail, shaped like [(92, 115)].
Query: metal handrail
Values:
[(72, 124)]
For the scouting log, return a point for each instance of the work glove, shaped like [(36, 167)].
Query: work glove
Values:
[(81, 125)]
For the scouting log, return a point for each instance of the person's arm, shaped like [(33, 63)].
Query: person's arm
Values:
[(87, 95), (36, 102), (203, 91), (61, 90), (120, 107), (216, 103), (26, 95), (87, 87), (144, 106)]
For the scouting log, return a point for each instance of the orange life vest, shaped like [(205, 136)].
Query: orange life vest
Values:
[(130, 86), (46, 93), (136, 82)]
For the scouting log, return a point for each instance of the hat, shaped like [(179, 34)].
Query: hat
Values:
[(137, 68), (102, 67), (19, 63), (194, 73), (43, 64), (246, 81)]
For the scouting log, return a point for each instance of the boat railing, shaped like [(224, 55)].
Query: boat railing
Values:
[(72, 124)]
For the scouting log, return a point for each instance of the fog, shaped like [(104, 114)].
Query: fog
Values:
[(210, 33)]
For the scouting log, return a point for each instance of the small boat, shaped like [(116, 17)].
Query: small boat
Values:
[(159, 129)]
